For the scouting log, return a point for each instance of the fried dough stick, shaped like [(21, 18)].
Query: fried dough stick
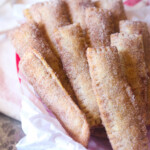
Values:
[(138, 27), (50, 15), (131, 53), (54, 96), (99, 25), (77, 10), (71, 44), (117, 9), (29, 36), (124, 126)]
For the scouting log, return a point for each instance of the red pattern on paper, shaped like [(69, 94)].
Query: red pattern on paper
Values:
[(17, 65), (131, 2)]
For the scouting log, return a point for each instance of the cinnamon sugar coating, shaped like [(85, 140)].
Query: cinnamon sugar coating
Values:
[(49, 15), (41, 76), (77, 10), (28, 36), (72, 48), (124, 126), (139, 27), (117, 9), (99, 25), (131, 53)]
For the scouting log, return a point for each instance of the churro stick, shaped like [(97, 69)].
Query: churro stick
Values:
[(29, 36), (77, 10), (117, 9), (131, 53), (71, 44), (99, 25), (53, 95), (50, 15), (124, 126), (138, 27)]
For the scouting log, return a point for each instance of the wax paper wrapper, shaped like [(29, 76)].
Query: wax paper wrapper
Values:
[(42, 130)]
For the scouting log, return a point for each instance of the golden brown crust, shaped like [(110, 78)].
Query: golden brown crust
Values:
[(53, 95), (50, 15), (125, 128), (131, 53), (29, 36), (77, 10), (99, 24), (138, 27), (72, 49), (117, 9)]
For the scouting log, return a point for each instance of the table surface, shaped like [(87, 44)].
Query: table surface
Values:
[(10, 133)]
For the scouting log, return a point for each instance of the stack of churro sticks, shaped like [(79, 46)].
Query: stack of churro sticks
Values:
[(88, 75)]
